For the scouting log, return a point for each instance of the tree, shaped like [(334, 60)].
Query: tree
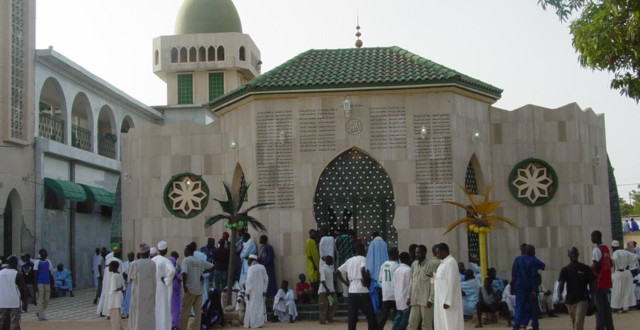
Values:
[(236, 219), (606, 35), (625, 208)]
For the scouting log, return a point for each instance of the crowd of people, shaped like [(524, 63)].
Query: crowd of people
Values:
[(378, 280), (154, 290), (440, 293)]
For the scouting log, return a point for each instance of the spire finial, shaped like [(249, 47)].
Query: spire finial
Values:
[(358, 34)]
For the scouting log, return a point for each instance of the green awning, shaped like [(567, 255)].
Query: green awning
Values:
[(99, 195), (67, 190)]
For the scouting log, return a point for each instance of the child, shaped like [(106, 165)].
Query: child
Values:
[(284, 306), (327, 299), (303, 290), (115, 295)]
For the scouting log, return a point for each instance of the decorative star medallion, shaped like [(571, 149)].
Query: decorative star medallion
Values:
[(533, 182), (186, 195)]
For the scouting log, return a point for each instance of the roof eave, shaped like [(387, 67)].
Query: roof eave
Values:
[(245, 93)]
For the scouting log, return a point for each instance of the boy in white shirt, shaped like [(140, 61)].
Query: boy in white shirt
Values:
[(401, 287), (385, 278), (327, 299)]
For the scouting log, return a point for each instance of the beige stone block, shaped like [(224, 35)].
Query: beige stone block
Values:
[(401, 218), (401, 194), (417, 217)]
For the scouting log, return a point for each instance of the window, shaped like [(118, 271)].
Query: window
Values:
[(220, 53), (52, 201), (156, 57), (18, 69), (174, 55), (183, 55), (242, 56), (211, 54), (202, 54), (106, 211), (84, 207), (216, 84), (185, 89), (192, 54)]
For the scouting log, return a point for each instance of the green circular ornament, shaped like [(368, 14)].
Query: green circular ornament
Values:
[(186, 195), (533, 182)]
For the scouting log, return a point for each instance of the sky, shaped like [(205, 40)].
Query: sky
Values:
[(514, 45)]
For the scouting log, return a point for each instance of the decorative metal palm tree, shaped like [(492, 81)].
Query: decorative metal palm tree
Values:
[(479, 220), (236, 219)]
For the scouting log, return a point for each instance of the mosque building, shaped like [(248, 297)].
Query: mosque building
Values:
[(380, 133)]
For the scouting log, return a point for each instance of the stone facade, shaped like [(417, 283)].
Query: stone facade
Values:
[(17, 182), (461, 129)]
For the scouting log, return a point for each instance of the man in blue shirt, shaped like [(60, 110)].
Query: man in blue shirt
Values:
[(63, 280), (44, 282)]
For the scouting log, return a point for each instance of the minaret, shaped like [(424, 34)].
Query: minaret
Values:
[(208, 55)]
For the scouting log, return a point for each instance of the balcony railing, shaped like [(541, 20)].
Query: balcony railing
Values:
[(81, 138), (107, 145), (51, 128)]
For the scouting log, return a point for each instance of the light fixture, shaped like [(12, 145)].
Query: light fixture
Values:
[(346, 105), (283, 137), (423, 132), (475, 136), (233, 145)]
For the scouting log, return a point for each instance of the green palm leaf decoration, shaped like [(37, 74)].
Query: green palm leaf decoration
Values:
[(235, 219)]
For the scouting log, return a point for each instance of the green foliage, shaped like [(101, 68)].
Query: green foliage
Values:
[(634, 207), (625, 208), (236, 219), (606, 35)]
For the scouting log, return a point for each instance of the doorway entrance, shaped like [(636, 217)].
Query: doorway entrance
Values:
[(357, 183)]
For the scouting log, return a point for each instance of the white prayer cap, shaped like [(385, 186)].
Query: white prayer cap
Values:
[(615, 243), (253, 256), (154, 251), (162, 245)]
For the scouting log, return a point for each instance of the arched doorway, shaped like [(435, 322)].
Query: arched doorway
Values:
[(472, 183), (354, 181), (11, 219)]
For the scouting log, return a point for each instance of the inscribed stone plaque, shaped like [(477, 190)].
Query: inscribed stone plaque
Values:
[(388, 127), (317, 129), (274, 155), (434, 165)]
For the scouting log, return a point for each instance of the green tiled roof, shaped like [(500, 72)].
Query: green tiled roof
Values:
[(392, 67)]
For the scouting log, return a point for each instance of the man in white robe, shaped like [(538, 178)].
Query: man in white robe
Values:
[(326, 247), (164, 287), (257, 282), (248, 248), (103, 303), (622, 295), (448, 295), (284, 304), (142, 276)]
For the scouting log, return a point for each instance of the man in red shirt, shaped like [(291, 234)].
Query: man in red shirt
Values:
[(601, 266)]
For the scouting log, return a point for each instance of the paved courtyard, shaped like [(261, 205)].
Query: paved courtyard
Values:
[(78, 313)]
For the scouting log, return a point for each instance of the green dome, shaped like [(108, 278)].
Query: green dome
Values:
[(207, 16)]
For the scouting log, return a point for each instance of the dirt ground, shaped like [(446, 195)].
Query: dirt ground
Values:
[(622, 321)]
